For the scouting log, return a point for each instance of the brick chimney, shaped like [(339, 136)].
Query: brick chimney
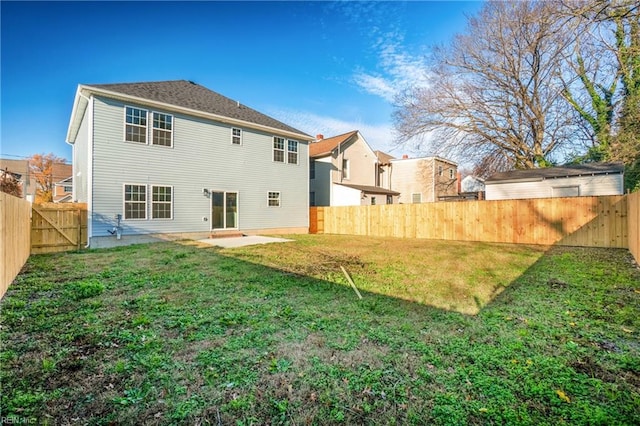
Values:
[(405, 157), (319, 137), (459, 179)]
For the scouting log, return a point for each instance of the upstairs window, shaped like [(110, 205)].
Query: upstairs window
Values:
[(278, 149), (236, 136), (162, 129), (135, 201), (439, 170), (450, 173), (292, 152), (135, 125)]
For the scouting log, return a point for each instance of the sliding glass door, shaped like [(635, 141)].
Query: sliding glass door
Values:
[(224, 210)]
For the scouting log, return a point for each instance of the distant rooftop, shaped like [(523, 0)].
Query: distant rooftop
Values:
[(557, 172), (324, 147)]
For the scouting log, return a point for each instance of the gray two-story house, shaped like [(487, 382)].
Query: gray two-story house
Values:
[(173, 159)]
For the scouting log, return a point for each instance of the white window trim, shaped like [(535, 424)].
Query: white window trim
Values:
[(151, 128), (124, 127), (241, 136), (284, 149), (279, 198), (451, 174), (297, 151), (346, 172), (150, 198), (124, 201)]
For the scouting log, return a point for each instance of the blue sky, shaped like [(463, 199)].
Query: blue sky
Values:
[(322, 67)]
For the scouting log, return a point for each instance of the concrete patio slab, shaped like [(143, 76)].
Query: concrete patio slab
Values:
[(248, 240)]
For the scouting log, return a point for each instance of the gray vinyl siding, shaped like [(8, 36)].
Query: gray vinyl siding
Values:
[(81, 161), (202, 156), (589, 186)]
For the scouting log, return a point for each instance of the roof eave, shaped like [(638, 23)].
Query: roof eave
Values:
[(561, 176), (492, 182), (221, 118), (80, 103)]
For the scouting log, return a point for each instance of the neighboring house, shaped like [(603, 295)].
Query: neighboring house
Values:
[(472, 184), (63, 191), (419, 180), (19, 169), (566, 181), (173, 159), (343, 171)]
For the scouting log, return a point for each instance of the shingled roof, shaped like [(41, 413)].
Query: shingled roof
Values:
[(187, 94), (325, 146), (557, 172)]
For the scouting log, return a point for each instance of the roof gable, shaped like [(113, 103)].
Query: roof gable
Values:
[(383, 157), (325, 146), (556, 172), (192, 96)]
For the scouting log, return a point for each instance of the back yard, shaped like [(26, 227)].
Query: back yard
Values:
[(446, 333)]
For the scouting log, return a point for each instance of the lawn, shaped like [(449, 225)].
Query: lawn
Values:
[(446, 333)]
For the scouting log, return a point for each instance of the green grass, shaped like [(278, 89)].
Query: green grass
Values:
[(173, 334)]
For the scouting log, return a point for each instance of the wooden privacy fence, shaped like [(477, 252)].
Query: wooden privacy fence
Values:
[(15, 233), (58, 227), (633, 202), (575, 221)]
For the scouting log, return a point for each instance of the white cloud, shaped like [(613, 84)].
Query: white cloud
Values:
[(396, 70), (375, 85)]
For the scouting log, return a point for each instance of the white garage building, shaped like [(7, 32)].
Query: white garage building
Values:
[(566, 181)]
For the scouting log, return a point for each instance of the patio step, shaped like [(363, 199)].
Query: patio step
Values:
[(225, 234)]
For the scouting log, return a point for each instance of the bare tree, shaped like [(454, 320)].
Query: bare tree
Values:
[(496, 95), (604, 88), (604, 64)]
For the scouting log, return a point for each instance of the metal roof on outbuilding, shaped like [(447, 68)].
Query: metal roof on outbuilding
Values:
[(530, 175)]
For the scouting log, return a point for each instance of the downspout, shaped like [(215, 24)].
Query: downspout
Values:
[(89, 171), (341, 162), (434, 180)]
